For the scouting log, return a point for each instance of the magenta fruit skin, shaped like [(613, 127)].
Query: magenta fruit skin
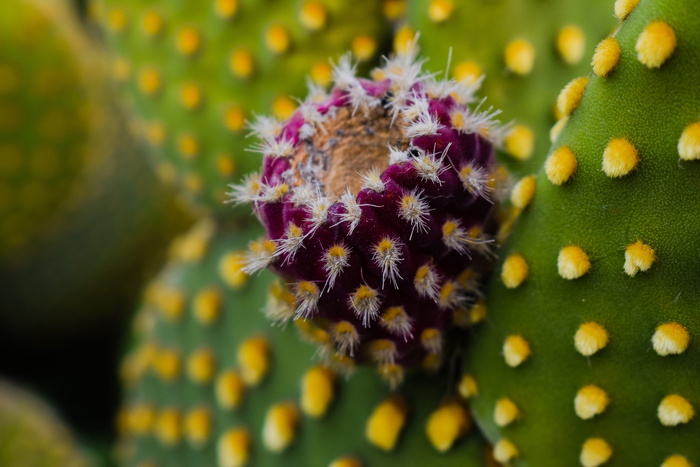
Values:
[(359, 223)]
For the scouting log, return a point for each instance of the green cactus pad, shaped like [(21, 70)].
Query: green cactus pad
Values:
[(48, 118), (527, 51), (209, 382), (197, 72), (590, 356), (31, 434)]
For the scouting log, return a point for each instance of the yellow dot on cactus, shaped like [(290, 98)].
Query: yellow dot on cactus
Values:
[(571, 95), (557, 128), (523, 192), (317, 391), (150, 81), (277, 39), (386, 422), (191, 96), (171, 303), (505, 412), (242, 63), (322, 73), (478, 311), (152, 23), (675, 410), (571, 44), (467, 72), (676, 460), (689, 142), (254, 360), (364, 47), (201, 366), (515, 350), (595, 452), (313, 15), (207, 305), (117, 20), (624, 7), (446, 425), (619, 158), (167, 364), (670, 339), (141, 418), (590, 401), (403, 39), (226, 165), (520, 56), (520, 142), (230, 389), (394, 9), (231, 269), (226, 9), (189, 41), (198, 426), (283, 107), (467, 387), (234, 119), (281, 426), (655, 44), (514, 271), (638, 257), (188, 145), (169, 426), (234, 448), (121, 70), (440, 10), (504, 451), (560, 165), (606, 56), (590, 338), (573, 262)]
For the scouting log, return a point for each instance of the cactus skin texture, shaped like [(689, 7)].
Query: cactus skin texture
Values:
[(196, 72), (595, 305), (375, 200), (203, 346), (527, 51), (80, 218), (31, 434)]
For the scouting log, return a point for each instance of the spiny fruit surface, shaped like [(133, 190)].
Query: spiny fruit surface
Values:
[(594, 310), (210, 382), (375, 201), (48, 119), (197, 71), (31, 434), (526, 50)]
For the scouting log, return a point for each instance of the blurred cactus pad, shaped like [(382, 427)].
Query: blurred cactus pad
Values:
[(81, 215), (590, 355), (32, 435), (526, 50), (197, 71), (209, 382)]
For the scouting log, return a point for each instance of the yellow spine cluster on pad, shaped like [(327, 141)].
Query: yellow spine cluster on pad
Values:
[(254, 360), (670, 339), (560, 165), (590, 401), (676, 461), (595, 452), (571, 95), (505, 412), (590, 338), (514, 271), (675, 410), (523, 192), (386, 423), (571, 44), (638, 257), (447, 424), (234, 447), (606, 56), (573, 262), (504, 451), (281, 426), (519, 56), (619, 158), (656, 44), (317, 391), (623, 8), (515, 350), (520, 142), (689, 143)]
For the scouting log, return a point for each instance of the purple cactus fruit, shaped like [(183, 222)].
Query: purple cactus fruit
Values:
[(375, 200)]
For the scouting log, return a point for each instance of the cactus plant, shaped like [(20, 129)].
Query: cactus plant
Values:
[(31, 434), (589, 357), (209, 382), (375, 202), (526, 50), (198, 71)]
